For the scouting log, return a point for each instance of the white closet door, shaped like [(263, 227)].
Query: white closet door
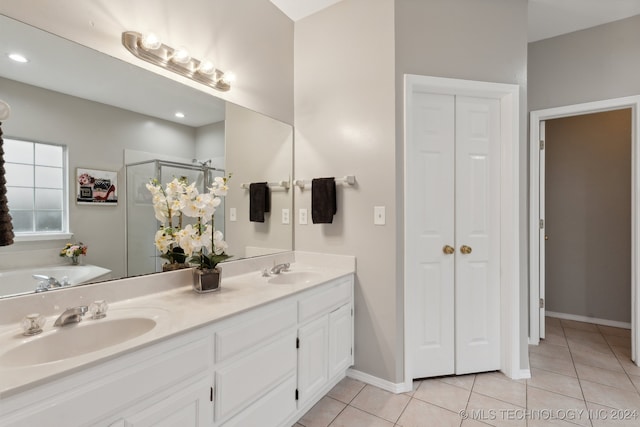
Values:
[(430, 216), (477, 299)]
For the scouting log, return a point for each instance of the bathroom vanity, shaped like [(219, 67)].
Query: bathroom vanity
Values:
[(262, 351)]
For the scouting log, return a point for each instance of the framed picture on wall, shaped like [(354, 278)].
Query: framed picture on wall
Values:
[(96, 187)]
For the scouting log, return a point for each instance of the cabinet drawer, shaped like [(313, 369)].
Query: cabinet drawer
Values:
[(241, 383), (324, 301), (254, 328), (106, 390), (271, 410)]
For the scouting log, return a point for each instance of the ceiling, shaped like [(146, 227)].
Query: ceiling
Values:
[(547, 18)]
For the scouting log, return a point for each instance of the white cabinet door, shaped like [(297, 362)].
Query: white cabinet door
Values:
[(190, 406), (313, 358), (340, 340)]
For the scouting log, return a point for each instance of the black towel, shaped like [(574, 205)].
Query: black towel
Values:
[(259, 201), (323, 200)]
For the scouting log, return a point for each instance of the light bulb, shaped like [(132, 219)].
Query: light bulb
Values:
[(229, 78), (206, 67), (17, 57), (181, 56), (150, 41)]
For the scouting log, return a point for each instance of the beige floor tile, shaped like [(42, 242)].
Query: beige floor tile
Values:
[(499, 375), (381, 403), (556, 339), (551, 350), (604, 376), (613, 340), (441, 394), (635, 379), (548, 321), (582, 336), (495, 412), (322, 413), (603, 416), (501, 389), (473, 423), (545, 421), (610, 396), (297, 425), (600, 347), (598, 360), (621, 352), (629, 367), (618, 332), (416, 384), (346, 390), (423, 414), (556, 383), (539, 400), (572, 324), (559, 366), (554, 329), (463, 381), (353, 417)]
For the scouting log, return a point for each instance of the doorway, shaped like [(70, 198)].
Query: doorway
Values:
[(540, 229)]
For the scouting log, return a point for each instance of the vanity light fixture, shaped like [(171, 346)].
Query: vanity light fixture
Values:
[(149, 48)]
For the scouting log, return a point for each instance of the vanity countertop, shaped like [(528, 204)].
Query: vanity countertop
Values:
[(176, 311)]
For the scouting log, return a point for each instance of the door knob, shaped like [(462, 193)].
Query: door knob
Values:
[(448, 249), (546, 237), (465, 249)]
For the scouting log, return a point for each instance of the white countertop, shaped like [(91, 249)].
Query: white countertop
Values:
[(177, 310)]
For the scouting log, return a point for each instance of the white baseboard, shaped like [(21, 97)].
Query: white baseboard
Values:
[(595, 320), (378, 382), (522, 374)]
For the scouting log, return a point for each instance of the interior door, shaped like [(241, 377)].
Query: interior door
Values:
[(542, 236), (430, 219), (477, 225)]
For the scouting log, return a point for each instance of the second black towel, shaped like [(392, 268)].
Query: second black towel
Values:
[(323, 200), (259, 201)]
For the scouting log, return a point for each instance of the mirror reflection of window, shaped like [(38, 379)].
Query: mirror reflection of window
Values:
[(35, 174)]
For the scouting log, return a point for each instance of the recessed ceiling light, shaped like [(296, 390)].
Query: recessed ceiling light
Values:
[(17, 57), (180, 115)]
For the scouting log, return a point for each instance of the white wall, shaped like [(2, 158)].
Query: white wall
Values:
[(252, 38), (345, 108), (210, 144), (590, 65), (474, 40)]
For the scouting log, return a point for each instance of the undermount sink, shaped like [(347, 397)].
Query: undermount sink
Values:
[(74, 340), (294, 278)]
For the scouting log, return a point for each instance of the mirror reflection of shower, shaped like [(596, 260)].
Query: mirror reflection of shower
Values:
[(142, 256)]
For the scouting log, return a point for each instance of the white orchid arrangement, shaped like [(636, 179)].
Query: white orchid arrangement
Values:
[(200, 243)]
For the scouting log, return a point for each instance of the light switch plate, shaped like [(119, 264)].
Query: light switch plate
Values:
[(285, 216), (379, 215), (302, 217), (233, 215)]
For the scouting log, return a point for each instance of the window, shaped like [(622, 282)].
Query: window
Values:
[(36, 183)]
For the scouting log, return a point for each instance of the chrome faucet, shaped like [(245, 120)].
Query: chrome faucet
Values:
[(46, 282), (277, 269), (71, 315)]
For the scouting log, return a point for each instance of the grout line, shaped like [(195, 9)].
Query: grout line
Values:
[(573, 362)]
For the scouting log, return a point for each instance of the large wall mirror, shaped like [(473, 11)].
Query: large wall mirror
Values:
[(114, 116)]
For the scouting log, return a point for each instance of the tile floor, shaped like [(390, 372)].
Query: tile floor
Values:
[(580, 375)]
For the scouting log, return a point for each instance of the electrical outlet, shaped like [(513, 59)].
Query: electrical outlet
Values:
[(285, 216), (302, 217), (233, 215)]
